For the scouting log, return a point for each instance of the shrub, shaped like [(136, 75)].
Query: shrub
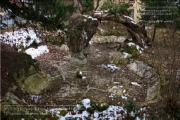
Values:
[(63, 112), (132, 109), (132, 50)]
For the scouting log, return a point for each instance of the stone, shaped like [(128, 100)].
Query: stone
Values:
[(116, 90), (108, 39), (79, 34), (78, 62), (64, 47), (22, 74), (152, 77), (34, 83), (117, 58), (31, 70), (12, 98), (142, 69), (153, 93)]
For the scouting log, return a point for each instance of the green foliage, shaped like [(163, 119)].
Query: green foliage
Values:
[(132, 50), (63, 112), (99, 106), (51, 14), (21, 47), (131, 106), (115, 33), (116, 9), (55, 40)]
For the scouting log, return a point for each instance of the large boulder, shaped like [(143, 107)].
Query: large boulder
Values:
[(79, 34), (142, 69), (108, 39), (20, 75), (34, 83), (152, 77)]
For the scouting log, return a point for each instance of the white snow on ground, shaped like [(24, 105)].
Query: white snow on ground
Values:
[(96, 114), (89, 17), (62, 118), (140, 49), (135, 84), (111, 113), (20, 37), (25, 37), (86, 103), (110, 67), (95, 19), (35, 97), (131, 44), (124, 97), (85, 113), (35, 52), (126, 55)]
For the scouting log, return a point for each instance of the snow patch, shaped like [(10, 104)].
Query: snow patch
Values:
[(96, 114), (112, 113), (86, 102), (135, 84), (124, 97), (131, 44), (37, 52), (85, 114), (110, 67), (22, 37), (126, 55), (35, 98)]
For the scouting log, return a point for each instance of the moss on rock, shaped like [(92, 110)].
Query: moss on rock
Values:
[(34, 83)]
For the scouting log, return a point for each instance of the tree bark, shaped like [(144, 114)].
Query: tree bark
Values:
[(97, 4), (138, 33), (154, 33)]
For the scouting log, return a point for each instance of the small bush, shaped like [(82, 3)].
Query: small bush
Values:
[(131, 107), (63, 112), (99, 106), (132, 50)]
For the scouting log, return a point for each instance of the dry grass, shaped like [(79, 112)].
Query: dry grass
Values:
[(165, 57)]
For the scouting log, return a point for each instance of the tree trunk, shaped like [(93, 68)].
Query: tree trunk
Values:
[(138, 33), (154, 33)]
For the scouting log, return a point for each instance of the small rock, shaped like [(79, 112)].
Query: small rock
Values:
[(142, 69), (117, 58), (64, 47)]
